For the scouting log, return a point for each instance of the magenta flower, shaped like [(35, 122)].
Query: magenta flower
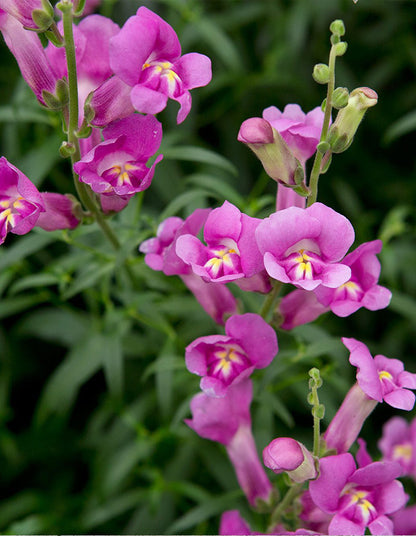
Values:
[(20, 201), (59, 212), (285, 454), (304, 246), (398, 443), (361, 290), (117, 166), (27, 49), (225, 360), (227, 420), (382, 378), (216, 300), (146, 55), (233, 524), (21, 10), (231, 252), (300, 131), (358, 498), (405, 521)]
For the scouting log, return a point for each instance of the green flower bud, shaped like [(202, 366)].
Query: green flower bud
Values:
[(340, 97), (42, 19), (321, 73), (323, 147), (66, 149), (51, 101), (340, 48), (337, 27), (348, 119)]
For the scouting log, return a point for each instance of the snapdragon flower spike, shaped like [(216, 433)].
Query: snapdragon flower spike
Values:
[(20, 201), (225, 360), (230, 253), (227, 420), (358, 498), (160, 254), (398, 443), (382, 378), (146, 55), (117, 166), (285, 454), (27, 49), (304, 246), (362, 289)]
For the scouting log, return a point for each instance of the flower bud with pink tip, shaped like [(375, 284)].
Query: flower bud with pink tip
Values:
[(285, 454)]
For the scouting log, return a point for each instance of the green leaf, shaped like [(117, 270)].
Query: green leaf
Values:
[(61, 326), (199, 154), (219, 187), (27, 245), (33, 281), (113, 363), (184, 200), (87, 277), (38, 162), (404, 305), (81, 363), (209, 508), (399, 128), (17, 304)]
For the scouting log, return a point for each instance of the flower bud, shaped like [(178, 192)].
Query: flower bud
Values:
[(337, 27), (340, 98), (284, 454), (340, 48), (42, 20), (321, 73), (271, 149), (346, 123)]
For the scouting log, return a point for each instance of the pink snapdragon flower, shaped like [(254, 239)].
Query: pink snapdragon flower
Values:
[(117, 166), (398, 443), (300, 131), (59, 212), (20, 201), (304, 246), (230, 253), (358, 498), (146, 55), (160, 254), (225, 360), (27, 49), (362, 289), (233, 524), (378, 379), (300, 307), (405, 521), (227, 420)]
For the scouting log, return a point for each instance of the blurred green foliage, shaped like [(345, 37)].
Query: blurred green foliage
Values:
[(93, 387)]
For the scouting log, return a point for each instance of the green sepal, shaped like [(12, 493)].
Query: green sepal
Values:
[(325, 164), (340, 48), (42, 20), (302, 190), (318, 411), (84, 131), (47, 7), (62, 91), (80, 8), (89, 112), (51, 101), (340, 97), (54, 38)]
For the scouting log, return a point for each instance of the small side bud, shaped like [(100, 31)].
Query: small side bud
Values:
[(323, 147), (66, 149), (337, 27), (340, 48), (340, 97), (321, 73), (51, 101), (345, 126), (42, 20), (284, 454)]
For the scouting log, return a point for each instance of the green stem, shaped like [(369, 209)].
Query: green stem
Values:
[(270, 299), (288, 499), (316, 169), (84, 192)]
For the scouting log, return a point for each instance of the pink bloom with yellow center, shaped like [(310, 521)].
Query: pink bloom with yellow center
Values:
[(117, 166), (20, 201), (304, 246), (398, 443), (223, 360), (146, 55)]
